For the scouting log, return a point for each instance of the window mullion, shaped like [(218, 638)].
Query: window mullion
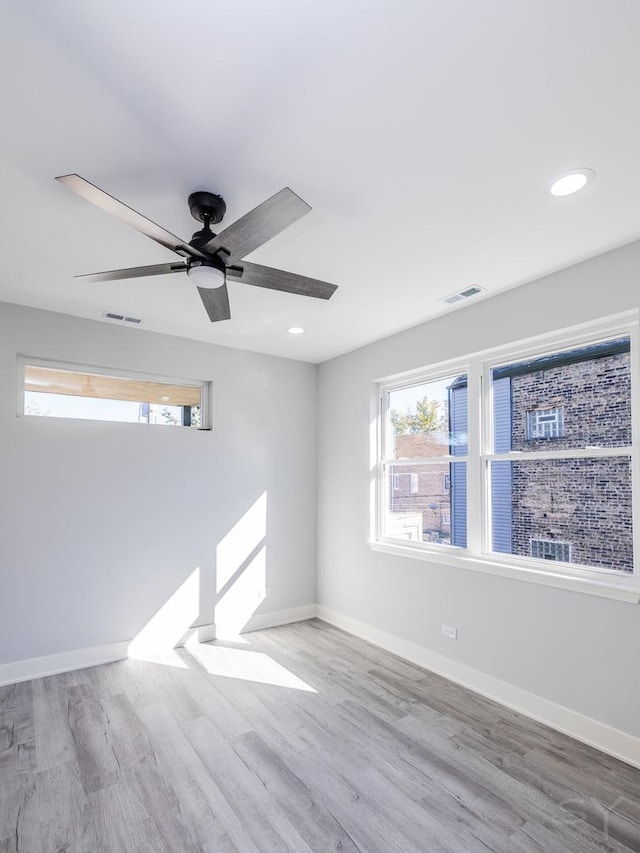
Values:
[(476, 502), (568, 453), (422, 460)]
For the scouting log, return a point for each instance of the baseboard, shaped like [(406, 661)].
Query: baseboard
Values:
[(25, 670), (202, 633), (280, 617), (621, 745)]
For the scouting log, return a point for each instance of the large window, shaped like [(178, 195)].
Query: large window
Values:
[(525, 459), (66, 391)]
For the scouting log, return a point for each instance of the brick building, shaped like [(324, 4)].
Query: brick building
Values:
[(424, 489), (574, 510)]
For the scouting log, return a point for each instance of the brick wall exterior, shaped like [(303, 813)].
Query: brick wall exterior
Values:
[(433, 494), (585, 502), (595, 395)]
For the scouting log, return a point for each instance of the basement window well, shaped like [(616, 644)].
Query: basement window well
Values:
[(55, 390)]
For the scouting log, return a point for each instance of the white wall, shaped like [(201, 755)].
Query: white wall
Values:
[(101, 522), (567, 647)]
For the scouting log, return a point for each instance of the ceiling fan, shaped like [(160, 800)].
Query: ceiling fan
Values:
[(211, 259)]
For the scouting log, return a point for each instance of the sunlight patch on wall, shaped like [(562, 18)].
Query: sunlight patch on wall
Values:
[(238, 604), (170, 626), (243, 538), (246, 665), (241, 567)]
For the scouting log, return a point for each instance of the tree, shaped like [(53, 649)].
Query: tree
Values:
[(169, 416), (426, 418), (32, 408)]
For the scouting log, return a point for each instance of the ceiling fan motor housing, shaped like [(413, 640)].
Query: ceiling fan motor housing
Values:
[(209, 273), (207, 207)]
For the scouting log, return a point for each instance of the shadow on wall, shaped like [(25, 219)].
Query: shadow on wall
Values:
[(240, 587)]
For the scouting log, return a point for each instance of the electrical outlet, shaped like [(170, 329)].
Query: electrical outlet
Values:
[(450, 631), (267, 591)]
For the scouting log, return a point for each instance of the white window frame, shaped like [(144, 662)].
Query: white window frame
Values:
[(477, 555), (116, 373), (385, 460)]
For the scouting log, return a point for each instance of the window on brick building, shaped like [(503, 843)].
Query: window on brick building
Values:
[(526, 459), (547, 549), (545, 423)]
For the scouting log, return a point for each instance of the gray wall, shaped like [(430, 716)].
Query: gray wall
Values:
[(568, 647), (101, 522)]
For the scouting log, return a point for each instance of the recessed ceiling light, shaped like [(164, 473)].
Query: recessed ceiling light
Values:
[(571, 182), (296, 330)]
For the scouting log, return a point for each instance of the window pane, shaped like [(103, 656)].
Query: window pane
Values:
[(568, 510), (572, 399), (429, 419), (57, 393), (427, 503)]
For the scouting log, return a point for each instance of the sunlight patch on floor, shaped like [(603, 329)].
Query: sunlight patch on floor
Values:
[(247, 666)]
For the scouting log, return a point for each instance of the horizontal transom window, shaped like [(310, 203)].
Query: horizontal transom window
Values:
[(68, 391)]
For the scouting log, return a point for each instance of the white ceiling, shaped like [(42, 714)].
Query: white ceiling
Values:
[(423, 133)]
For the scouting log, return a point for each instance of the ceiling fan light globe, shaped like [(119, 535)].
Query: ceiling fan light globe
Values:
[(206, 276)]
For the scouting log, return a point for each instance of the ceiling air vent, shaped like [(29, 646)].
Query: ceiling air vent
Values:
[(462, 294), (121, 318)]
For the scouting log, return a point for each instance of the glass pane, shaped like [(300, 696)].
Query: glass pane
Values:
[(567, 510), (91, 409), (427, 503), (576, 398), (429, 419), (57, 393)]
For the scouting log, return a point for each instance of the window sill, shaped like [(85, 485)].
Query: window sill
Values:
[(619, 589)]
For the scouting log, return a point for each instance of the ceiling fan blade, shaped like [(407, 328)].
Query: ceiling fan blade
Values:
[(258, 226), (289, 282), (133, 272), (216, 302), (128, 215)]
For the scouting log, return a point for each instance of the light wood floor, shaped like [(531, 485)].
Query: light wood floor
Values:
[(304, 739)]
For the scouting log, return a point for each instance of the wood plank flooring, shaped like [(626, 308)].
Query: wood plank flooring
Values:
[(301, 739)]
